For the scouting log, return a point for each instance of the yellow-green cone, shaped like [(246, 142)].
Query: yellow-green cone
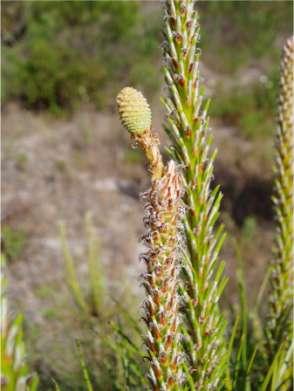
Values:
[(134, 111)]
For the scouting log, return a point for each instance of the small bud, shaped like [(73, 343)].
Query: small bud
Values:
[(191, 67), (180, 80), (175, 63), (189, 24), (183, 9), (172, 21), (178, 38), (184, 51), (134, 111)]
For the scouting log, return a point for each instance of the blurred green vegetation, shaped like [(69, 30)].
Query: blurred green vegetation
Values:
[(59, 54), (244, 39), (133, 156), (249, 108), (13, 242), (237, 34)]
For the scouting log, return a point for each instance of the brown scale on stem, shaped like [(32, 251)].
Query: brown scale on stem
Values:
[(161, 220), (149, 143), (162, 207)]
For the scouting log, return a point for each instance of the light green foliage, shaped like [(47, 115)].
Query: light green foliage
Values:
[(251, 366), (86, 376), (15, 374), (245, 328), (133, 156), (91, 303), (249, 229), (13, 242), (130, 369)]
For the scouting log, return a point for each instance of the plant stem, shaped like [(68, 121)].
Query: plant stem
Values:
[(281, 279), (161, 219), (161, 280), (187, 127)]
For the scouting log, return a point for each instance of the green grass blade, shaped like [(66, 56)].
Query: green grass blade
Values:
[(71, 276)]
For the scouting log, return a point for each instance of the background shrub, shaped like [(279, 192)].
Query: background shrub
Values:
[(59, 54)]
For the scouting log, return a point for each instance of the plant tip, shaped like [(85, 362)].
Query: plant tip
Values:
[(134, 110)]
